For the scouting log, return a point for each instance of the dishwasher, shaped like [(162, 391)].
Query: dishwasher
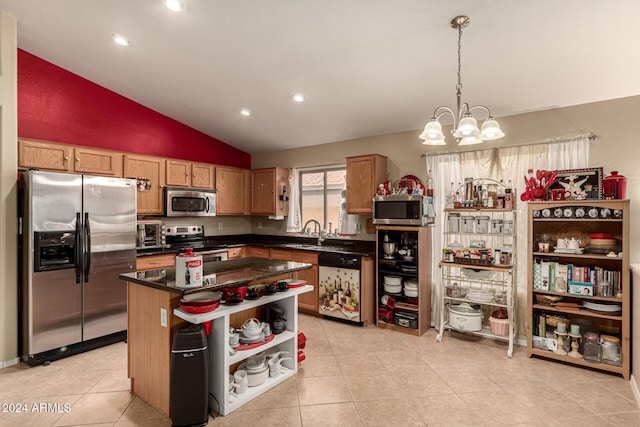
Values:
[(339, 286)]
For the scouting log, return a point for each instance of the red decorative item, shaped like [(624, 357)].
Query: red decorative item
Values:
[(536, 186), (301, 356), (614, 186), (302, 341)]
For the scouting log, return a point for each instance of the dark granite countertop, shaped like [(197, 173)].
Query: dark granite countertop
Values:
[(347, 247), (217, 274)]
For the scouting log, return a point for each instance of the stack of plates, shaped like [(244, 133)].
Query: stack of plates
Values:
[(605, 308), (409, 268), (480, 296)]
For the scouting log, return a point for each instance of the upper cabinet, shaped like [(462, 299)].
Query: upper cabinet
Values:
[(67, 158), (270, 191), (364, 174), (231, 194), (150, 199), (180, 173)]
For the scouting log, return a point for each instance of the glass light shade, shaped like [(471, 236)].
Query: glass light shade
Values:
[(491, 130), (470, 140), (432, 133), (466, 127), (434, 142)]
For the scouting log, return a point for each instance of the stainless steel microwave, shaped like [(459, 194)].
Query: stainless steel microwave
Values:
[(189, 202), (403, 209)]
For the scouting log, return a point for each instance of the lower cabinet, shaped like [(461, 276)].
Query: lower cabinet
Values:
[(308, 303), (257, 252), (149, 343)]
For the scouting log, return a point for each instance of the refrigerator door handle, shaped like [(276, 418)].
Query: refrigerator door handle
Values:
[(87, 247), (78, 248)]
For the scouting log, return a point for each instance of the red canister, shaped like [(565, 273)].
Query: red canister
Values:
[(614, 186)]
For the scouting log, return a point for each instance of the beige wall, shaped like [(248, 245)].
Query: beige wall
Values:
[(8, 192), (616, 148)]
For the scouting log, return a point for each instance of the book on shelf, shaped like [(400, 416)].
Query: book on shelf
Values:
[(547, 274)]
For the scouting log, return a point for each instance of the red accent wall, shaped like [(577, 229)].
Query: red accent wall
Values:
[(57, 105)]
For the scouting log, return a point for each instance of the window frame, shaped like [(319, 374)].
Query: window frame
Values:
[(325, 191)]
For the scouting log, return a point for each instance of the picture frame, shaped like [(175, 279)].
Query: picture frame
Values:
[(586, 185)]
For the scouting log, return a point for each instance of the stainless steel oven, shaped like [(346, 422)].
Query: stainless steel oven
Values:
[(189, 202)]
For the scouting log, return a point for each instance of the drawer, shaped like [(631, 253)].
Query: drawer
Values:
[(281, 254), (153, 262), (306, 257), (234, 253), (257, 252)]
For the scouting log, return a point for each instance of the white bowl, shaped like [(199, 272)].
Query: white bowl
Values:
[(392, 280), (413, 293), (256, 378), (393, 289), (411, 284)]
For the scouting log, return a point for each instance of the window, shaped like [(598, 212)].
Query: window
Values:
[(321, 195)]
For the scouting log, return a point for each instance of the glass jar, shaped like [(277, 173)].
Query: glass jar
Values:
[(482, 224), (454, 222), (611, 350), (506, 255), (467, 223), (591, 342)]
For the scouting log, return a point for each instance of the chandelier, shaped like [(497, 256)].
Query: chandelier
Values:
[(465, 126)]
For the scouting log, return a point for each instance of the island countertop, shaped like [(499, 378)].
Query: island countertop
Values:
[(217, 274)]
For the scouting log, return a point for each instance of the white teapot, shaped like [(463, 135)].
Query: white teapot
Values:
[(572, 243)]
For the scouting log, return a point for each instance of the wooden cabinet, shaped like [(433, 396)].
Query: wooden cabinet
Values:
[(410, 314), (235, 252), (44, 155), (181, 173), (149, 343), (67, 158), (257, 252), (97, 162), (281, 254), (154, 262), (590, 284), (150, 201), (202, 175), (364, 174), (308, 302), (231, 194), (178, 173), (268, 189)]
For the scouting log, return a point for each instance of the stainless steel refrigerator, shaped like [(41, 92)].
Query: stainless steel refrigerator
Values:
[(78, 235)]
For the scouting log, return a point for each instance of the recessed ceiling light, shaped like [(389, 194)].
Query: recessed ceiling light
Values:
[(245, 112), (121, 40), (174, 5), (298, 97)]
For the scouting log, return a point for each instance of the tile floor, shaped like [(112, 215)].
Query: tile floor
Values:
[(352, 376)]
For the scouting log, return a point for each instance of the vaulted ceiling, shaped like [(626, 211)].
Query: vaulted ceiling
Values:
[(365, 67)]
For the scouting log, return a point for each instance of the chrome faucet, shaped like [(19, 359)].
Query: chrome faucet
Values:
[(322, 234)]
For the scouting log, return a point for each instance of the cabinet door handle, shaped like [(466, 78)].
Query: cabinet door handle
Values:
[(66, 158), (77, 159)]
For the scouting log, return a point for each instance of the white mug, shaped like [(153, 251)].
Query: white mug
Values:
[(562, 244)]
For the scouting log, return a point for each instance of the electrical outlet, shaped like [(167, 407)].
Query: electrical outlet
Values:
[(219, 226), (259, 225), (163, 317)]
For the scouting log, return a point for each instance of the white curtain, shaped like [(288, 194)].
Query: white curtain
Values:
[(445, 169), (347, 224), (294, 220), (506, 164)]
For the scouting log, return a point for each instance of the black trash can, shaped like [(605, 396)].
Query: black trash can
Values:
[(189, 392)]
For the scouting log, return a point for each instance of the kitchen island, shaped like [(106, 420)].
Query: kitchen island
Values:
[(153, 316)]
